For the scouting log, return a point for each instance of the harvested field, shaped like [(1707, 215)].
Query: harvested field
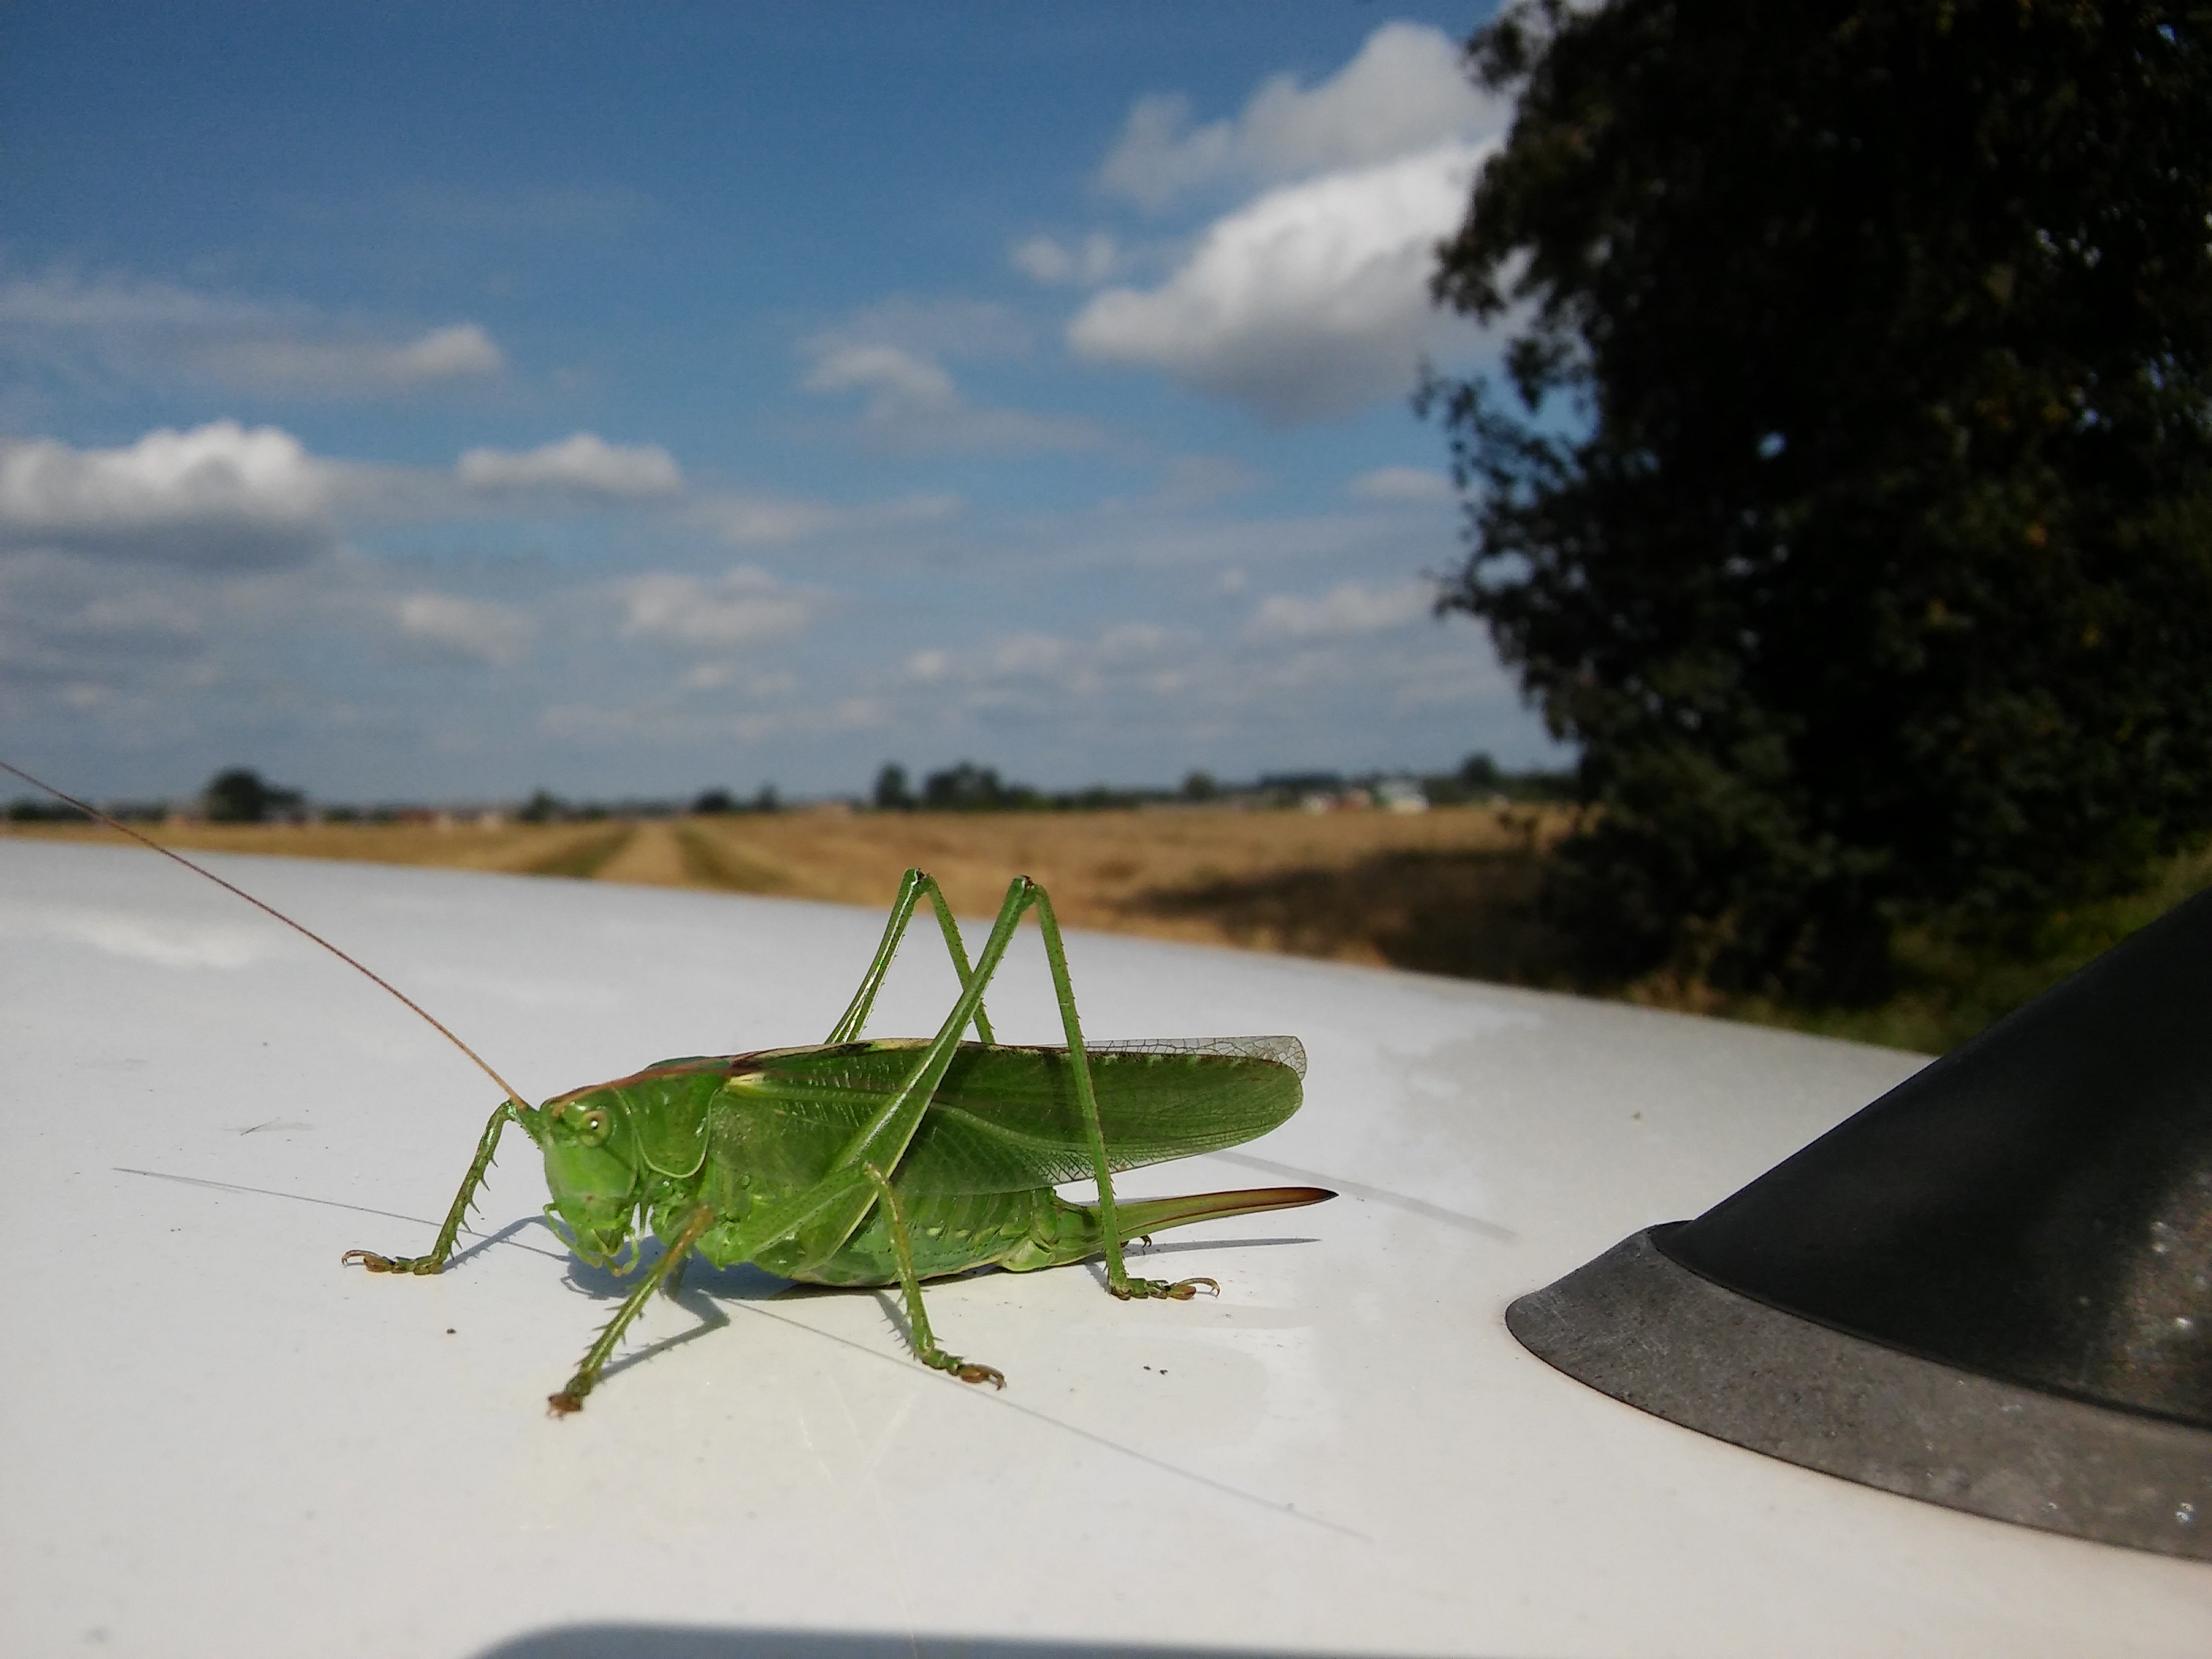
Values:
[(1447, 892)]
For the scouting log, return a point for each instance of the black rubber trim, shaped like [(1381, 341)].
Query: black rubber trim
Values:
[(2035, 1206), (1640, 1326)]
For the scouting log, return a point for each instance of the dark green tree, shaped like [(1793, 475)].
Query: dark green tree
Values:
[(238, 795), (892, 794), (1850, 506), (1478, 773), (969, 787)]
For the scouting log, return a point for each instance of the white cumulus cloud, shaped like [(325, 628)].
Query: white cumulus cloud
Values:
[(443, 353), (759, 520), (218, 496), (1024, 670), (744, 520), (1412, 486), (1348, 608), (340, 368), (1402, 92), (893, 354), (141, 330), (1311, 299), (1087, 263), (913, 404), (898, 382), (584, 463), (935, 328), (447, 625), (745, 605), (1311, 302), (59, 301), (1193, 481)]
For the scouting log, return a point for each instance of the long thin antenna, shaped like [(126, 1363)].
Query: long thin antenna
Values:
[(436, 1024)]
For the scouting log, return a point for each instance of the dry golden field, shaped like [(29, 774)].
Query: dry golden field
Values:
[(1450, 890)]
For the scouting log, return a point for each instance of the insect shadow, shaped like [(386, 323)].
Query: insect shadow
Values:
[(702, 1287), (507, 1235), (699, 1282), (698, 1292)]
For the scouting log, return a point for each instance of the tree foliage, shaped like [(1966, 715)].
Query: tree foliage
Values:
[(239, 795), (891, 794), (1848, 498), (969, 787)]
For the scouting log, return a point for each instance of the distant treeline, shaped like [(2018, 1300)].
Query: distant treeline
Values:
[(967, 787), (241, 795)]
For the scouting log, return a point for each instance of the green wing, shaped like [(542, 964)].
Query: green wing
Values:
[(1005, 1120)]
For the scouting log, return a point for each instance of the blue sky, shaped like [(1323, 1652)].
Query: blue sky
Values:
[(441, 402)]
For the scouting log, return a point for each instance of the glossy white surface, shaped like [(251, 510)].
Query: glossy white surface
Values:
[(216, 1442)]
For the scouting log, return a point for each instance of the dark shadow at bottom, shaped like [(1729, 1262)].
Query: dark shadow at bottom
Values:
[(614, 1641)]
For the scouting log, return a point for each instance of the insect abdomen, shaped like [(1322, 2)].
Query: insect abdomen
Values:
[(949, 1236)]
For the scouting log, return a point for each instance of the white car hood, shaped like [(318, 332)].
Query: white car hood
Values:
[(218, 1442)]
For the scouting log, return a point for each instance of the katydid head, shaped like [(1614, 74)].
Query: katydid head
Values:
[(591, 1169), (607, 1147)]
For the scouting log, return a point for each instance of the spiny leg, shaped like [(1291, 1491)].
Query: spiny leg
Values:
[(917, 1321), (442, 1251), (571, 1399), (917, 885), (958, 949), (856, 1012), (1118, 1281), (912, 890), (883, 1139), (821, 1219)]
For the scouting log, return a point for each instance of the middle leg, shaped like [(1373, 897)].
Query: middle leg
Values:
[(917, 1321)]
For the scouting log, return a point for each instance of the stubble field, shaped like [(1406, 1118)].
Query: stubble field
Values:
[(1450, 890)]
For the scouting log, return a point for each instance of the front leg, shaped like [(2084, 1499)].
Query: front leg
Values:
[(441, 1250), (571, 1399)]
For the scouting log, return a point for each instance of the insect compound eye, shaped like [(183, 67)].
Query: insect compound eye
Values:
[(589, 1125)]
